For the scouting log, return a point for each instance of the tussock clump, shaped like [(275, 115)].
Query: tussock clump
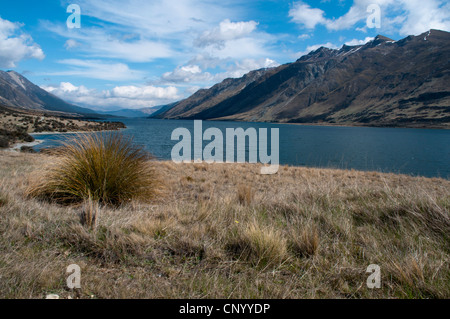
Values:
[(245, 194), (107, 168), (3, 200), (90, 213), (259, 246), (305, 243)]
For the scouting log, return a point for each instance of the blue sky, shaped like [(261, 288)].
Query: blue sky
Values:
[(142, 53)]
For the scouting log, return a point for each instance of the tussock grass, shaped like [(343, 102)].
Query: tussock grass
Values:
[(308, 233), (261, 246), (3, 199), (107, 168), (245, 194), (305, 242), (90, 213)]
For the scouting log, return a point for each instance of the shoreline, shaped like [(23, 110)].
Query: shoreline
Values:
[(74, 132), (17, 146)]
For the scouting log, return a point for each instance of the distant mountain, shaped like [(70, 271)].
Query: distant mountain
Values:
[(163, 109), (381, 83), (18, 92), (134, 113)]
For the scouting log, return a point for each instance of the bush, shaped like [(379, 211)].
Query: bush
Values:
[(4, 142), (107, 168), (27, 149)]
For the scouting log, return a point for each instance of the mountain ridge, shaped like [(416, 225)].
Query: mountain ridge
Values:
[(18, 92), (381, 83)]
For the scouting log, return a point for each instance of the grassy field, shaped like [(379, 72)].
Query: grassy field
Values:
[(225, 231)]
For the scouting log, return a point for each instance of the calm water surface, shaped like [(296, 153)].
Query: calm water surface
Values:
[(408, 151)]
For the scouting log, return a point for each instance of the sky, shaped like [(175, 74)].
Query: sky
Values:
[(144, 53)]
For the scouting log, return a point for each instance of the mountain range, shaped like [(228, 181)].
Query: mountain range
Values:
[(18, 92), (381, 83)]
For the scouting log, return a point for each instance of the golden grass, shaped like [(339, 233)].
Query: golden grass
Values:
[(245, 194), (307, 233), (107, 168)]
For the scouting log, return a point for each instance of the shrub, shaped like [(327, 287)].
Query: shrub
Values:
[(107, 168), (4, 142)]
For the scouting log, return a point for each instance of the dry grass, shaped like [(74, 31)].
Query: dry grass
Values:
[(245, 194), (90, 213), (306, 233), (107, 168), (305, 243)]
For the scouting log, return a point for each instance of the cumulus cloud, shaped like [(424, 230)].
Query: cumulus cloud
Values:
[(304, 15), (133, 97), (226, 31), (194, 74), (187, 74), (15, 45)]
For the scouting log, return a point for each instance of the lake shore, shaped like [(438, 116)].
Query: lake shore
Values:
[(16, 128), (302, 233), (17, 146)]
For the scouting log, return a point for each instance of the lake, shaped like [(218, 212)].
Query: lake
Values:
[(418, 152)]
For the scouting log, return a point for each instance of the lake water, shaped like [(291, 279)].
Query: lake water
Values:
[(420, 152)]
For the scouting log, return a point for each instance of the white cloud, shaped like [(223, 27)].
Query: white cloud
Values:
[(141, 31), (71, 43), (193, 74), (304, 36), (99, 44), (359, 42), (187, 74), (132, 97), (100, 70), (226, 31), (407, 16), (304, 15), (16, 46), (425, 15), (314, 47)]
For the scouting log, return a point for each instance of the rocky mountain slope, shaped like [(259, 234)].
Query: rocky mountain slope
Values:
[(381, 83), (18, 92)]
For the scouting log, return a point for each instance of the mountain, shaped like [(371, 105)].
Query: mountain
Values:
[(381, 83), (162, 109), (18, 92), (134, 113)]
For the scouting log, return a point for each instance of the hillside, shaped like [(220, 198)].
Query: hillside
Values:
[(381, 83), (18, 92)]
